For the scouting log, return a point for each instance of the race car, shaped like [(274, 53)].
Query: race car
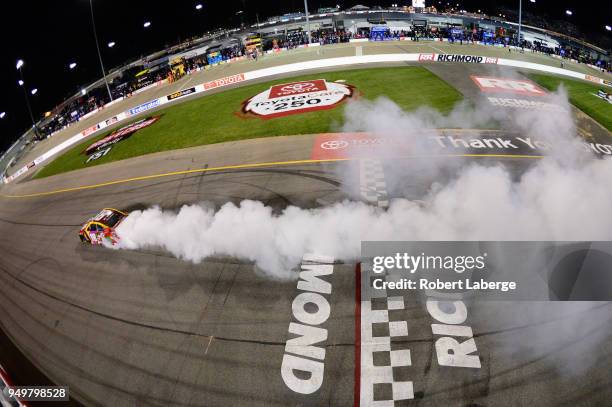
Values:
[(101, 228)]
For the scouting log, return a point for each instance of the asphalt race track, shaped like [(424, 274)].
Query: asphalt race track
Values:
[(126, 328), (143, 328)]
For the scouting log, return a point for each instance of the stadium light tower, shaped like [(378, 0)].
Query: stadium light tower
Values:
[(93, 25), (520, 21), (72, 65), (307, 20), (2, 115), (21, 82), (198, 6), (111, 44), (520, 18)]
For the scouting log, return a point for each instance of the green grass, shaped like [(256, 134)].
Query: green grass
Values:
[(581, 95), (214, 119)]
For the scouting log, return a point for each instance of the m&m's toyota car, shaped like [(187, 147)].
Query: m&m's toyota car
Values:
[(101, 228)]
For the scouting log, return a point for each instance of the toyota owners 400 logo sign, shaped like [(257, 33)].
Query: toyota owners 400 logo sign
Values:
[(297, 97)]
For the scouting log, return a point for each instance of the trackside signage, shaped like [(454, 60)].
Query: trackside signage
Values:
[(470, 59), (181, 93), (144, 107), (297, 97), (228, 80)]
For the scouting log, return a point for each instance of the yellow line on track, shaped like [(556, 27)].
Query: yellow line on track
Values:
[(240, 166), (173, 173)]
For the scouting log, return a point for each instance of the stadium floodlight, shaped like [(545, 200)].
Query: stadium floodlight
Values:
[(83, 92), (34, 91), (19, 64), (608, 28), (72, 65), (111, 44), (568, 12), (2, 115), (533, 1), (198, 6), (147, 24), (20, 82)]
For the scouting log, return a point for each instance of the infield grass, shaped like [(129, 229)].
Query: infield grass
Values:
[(581, 94), (215, 118)]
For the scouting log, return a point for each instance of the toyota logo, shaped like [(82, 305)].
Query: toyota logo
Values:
[(297, 87), (334, 144)]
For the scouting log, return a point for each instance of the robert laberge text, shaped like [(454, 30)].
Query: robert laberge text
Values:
[(436, 284)]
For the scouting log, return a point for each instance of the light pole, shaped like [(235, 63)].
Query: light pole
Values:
[(21, 82), (520, 21), (307, 20), (93, 25)]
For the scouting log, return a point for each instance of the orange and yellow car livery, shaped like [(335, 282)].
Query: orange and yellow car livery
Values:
[(101, 228)]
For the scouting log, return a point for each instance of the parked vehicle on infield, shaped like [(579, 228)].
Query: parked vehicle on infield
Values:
[(101, 228)]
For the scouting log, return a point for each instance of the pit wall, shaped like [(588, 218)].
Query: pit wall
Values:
[(296, 67)]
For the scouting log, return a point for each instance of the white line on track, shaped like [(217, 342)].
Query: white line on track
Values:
[(208, 346), (436, 49), (186, 83)]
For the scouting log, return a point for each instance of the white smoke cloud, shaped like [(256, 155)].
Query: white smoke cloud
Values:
[(565, 196), (483, 203), (562, 197)]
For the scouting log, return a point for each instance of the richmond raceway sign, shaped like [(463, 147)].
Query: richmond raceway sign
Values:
[(470, 59), (297, 97)]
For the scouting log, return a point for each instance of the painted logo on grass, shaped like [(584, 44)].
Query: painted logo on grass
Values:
[(508, 85), (297, 97), (101, 147)]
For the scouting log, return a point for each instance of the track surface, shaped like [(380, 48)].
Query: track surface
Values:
[(125, 328)]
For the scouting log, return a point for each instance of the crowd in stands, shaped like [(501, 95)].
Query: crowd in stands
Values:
[(130, 82)]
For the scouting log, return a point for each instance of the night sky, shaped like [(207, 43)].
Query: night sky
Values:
[(48, 35)]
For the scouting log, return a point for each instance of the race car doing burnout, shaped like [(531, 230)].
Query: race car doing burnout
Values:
[(101, 228)]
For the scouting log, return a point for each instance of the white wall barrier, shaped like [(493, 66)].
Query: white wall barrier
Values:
[(297, 67)]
